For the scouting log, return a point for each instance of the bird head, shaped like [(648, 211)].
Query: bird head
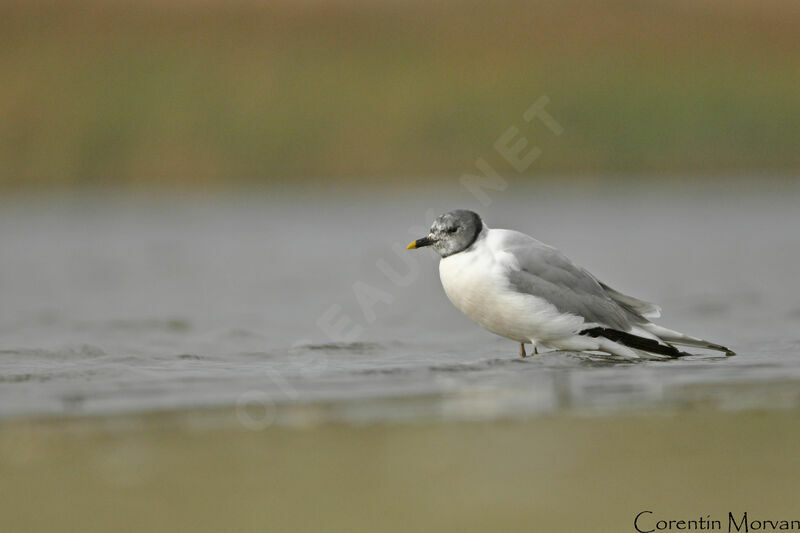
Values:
[(451, 233)]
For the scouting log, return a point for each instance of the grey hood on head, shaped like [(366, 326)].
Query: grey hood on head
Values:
[(452, 233)]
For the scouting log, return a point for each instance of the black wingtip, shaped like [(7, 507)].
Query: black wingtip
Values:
[(636, 342), (720, 348)]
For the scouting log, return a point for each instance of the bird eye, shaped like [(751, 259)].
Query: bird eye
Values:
[(452, 230)]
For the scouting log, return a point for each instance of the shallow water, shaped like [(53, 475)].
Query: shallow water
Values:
[(114, 304)]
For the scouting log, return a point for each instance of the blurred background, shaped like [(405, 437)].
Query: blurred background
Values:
[(208, 316), (191, 93)]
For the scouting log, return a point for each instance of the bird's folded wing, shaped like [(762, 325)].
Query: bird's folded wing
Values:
[(543, 271), (635, 305)]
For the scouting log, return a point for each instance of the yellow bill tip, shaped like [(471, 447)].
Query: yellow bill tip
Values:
[(412, 246)]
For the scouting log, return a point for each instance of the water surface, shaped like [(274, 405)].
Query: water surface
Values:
[(114, 304)]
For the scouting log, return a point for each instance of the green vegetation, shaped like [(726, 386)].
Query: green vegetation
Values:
[(188, 93)]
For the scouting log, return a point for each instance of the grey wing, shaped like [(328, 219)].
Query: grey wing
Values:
[(547, 273), (634, 305)]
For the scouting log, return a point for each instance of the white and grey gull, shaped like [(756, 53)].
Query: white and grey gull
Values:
[(522, 289)]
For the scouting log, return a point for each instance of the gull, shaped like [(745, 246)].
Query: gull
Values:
[(524, 290)]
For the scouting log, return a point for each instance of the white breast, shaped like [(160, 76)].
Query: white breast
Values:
[(476, 282)]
